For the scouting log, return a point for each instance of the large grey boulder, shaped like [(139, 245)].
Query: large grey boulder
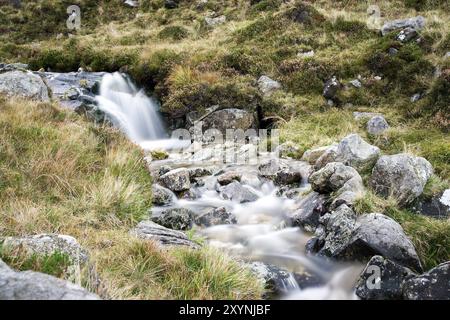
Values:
[(352, 151), (148, 230), (416, 23), (312, 155), (437, 206), (175, 218), (176, 180), (382, 279), (310, 209), (402, 176), (23, 84), (267, 85), (432, 285), (377, 125), (238, 193), (161, 196), (343, 181), (30, 285), (229, 119), (216, 216), (47, 244), (282, 172), (228, 177)]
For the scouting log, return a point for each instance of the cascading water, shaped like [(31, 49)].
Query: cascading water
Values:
[(131, 110)]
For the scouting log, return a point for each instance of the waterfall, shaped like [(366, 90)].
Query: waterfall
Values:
[(133, 112)]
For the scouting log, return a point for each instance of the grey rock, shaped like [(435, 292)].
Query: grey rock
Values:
[(282, 172), (175, 218), (171, 4), (402, 176), (310, 209), (437, 207), (30, 285), (198, 173), (389, 284), (364, 115), (432, 285), (215, 21), (190, 194), (356, 83), (161, 196), (229, 119), (267, 85), (23, 84), (148, 230), (416, 97), (238, 193), (416, 23), (407, 34), (377, 125), (331, 88), (47, 244), (277, 281), (307, 54), (312, 155), (176, 180), (393, 51), (353, 151), (288, 150), (216, 216), (131, 3), (229, 177)]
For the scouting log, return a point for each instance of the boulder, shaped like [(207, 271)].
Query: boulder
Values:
[(149, 230), (402, 175), (377, 125), (231, 118), (23, 84), (415, 23), (267, 86), (276, 280), (331, 88), (198, 173), (176, 180), (382, 279), (437, 207), (161, 196), (238, 193), (216, 216), (228, 177), (353, 151), (175, 218), (48, 244), (310, 209), (432, 285), (407, 34), (30, 285), (312, 155), (282, 172)]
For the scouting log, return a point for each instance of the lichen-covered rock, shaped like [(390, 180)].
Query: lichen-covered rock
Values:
[(312, 155), (23, 84), (267, 85), (47, 244), (216, 216), (149, 230), (402, 176), (231, 118), (432, 285), (415, 23), (382, 279), (175, 218), (198, 172), (437, 207), (282, 172), (377, 125), (310, 209), (161, 196), (30, 285), (176, 180), (238, 193)]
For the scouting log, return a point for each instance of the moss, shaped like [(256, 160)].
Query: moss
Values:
[(265, 5), (355, 30), (159, 155), (304, 13), (173, 33)]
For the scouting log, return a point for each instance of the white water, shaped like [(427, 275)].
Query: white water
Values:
[(261, 233), (136, 114)]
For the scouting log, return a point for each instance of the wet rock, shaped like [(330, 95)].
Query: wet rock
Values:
[(310, 209), (30, 285), (432, 285), (415, 23), (238, 193), (436, 207), (175, 218), (277, 281), (161, 196), (190, 194), (377, 234), (215, 21), (407, 34), (176, 180), (23, 84), (312, 155), (331, 88), (228, 177), (216, 216), (344, 181), (267, 85), (382, 279), (377, 125), (281, 172), (48, 244), (149, 230), (288, 150), (198, 173), (402, 176), (306, 280), (229, 119)]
